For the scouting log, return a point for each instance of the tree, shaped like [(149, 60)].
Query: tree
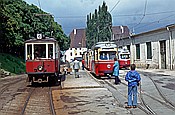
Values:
[(99, 26), (19, 22)]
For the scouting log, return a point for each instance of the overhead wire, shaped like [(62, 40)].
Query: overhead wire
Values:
[(115, 5), (143, 15), (157, 21), (127, 15), (150, 23), (39, 4), (121, 15), (146, 14)]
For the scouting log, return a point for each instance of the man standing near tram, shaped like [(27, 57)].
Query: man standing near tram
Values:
[(76, 67), (116, 71)]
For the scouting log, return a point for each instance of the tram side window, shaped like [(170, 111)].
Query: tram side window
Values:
[(29, 52), (50, 53), (39, 51)]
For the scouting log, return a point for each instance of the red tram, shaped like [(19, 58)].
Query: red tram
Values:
[(124, 58), (42, 60), (101, 58)]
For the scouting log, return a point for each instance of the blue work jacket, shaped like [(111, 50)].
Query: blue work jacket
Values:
[(116, 69), (132, 77)]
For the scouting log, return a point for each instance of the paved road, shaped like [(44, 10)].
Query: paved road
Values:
[(88, 96)]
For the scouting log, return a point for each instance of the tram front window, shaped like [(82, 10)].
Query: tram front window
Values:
[(107, 55), (124, 56), (39, 51)]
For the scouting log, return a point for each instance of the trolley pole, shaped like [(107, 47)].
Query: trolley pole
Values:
[(37, 14)]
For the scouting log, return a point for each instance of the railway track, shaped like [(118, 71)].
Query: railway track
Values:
[(5, 87), (16, 98), (148, 103), (155, 103), (39, 101), (164, 100), (13, 91), (120, 97)]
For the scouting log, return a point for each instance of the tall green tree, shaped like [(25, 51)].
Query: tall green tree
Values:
[(20, 21), (99, 26)]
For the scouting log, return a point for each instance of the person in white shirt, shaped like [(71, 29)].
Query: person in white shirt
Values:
[(76, 67)]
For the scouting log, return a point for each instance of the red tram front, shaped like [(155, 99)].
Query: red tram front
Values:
[(124, 58), (103, 58), (42, 60)]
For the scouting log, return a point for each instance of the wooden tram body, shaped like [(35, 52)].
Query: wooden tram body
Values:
[(124, 58), (42, 60), (102, 58)]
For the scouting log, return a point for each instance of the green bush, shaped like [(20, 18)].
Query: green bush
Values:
[(12, 64)]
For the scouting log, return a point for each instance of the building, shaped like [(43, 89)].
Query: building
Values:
[(78, 38), (152, 49), (77, 45), (78, 41), (71, 53), (119, 32)]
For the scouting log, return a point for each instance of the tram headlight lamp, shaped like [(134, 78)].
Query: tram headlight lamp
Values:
[(108, 66), (40, 67)]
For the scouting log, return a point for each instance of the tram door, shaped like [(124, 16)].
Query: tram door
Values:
[(163, 54)]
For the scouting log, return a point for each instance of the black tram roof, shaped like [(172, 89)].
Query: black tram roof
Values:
[(43, 40)]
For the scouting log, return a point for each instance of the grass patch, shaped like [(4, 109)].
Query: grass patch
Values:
[(12, 64)]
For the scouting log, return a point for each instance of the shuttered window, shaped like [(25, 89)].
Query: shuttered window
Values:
[(137, 51), (149, 50)]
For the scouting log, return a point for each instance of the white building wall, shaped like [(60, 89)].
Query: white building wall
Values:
[(155, 54), (167, 54), (155, 37), (173, 49), (71, 53), (132, 52)]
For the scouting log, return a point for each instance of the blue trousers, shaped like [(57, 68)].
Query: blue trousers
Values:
[(117, 80), (132, 96)]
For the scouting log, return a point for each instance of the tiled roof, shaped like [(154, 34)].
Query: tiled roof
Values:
[(78, 38), (120, 32)]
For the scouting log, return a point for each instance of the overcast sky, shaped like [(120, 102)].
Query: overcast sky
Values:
[(138, 15)]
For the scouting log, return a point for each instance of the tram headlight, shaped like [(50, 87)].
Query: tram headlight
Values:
[(40, 67), (108, 66)]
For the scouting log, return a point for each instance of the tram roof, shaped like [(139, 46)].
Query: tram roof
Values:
[(104, 45), (34, 40)]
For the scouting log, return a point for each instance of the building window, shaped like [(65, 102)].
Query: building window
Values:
[(149, 50), (137, 51)]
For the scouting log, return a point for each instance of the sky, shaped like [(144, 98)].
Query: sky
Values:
[(138, 15)]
